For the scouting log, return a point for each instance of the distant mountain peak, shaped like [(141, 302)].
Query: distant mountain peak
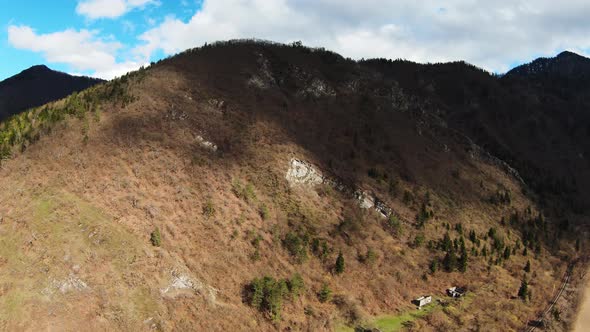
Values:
[(565, 64), (569, 54), (36, 86), (39, 67)]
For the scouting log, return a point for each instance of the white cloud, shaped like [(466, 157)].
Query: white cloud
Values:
[(82, 50), (95, 9), (491, 34)]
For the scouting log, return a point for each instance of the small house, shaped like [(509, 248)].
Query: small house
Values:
[(423, 300), (456, 292)]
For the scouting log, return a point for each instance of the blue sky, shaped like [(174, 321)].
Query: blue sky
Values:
[(106, 38), (58, 15)]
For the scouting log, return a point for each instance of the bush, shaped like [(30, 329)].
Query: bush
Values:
[(263, 211), (325, 293), (419, 240), (209, 209), (395, 225), (296, 245), (320, 248), (370, 257), (244, 192), (156, 238), (296, 285)]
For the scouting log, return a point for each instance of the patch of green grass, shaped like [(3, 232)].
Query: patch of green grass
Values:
[(391, 323), (395, 323)]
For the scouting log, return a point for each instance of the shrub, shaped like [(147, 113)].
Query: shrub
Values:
[(418, 240), (296, 285), (263, 211), (209, 209), (296, 245), (395, 225), (370, 257), (156, 238), (408, 198), (320, 248), (325, 293), (245, 192)]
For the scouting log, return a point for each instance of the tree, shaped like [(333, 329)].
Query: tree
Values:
[(156, 238), (339, 268), (472, 236), (446, 242), (507, 253), (450, 260), (433, 266), (523, 291), (463, 258), (527, 267)]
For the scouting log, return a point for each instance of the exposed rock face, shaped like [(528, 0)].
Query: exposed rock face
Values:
[(264, 79), (70, 284), (181, 283), (206, 144), (317, 88), (303, 173)]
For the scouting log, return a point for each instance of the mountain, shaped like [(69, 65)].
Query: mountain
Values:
[(257, 186), (535, 117), (37, 86)]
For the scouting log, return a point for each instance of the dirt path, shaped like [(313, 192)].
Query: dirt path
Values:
[(583, 319)]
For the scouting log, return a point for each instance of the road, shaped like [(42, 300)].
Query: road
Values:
[(583, 319), (547, 311)]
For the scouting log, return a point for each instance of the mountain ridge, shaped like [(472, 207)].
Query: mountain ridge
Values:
[(36, 86)]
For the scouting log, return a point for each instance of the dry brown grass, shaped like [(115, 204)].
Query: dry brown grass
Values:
[(142, 168)]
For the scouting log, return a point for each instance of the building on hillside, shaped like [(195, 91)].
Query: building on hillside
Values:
[(456, 292), (422, 300)]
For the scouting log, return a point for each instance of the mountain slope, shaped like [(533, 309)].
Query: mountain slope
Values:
[(253, 160), (534, 117), (36, 86)]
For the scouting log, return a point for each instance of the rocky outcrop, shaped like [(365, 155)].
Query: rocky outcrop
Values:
[(182, 283), (70, 284), (302, 173)]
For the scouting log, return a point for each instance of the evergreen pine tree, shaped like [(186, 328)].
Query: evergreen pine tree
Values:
[(463, 258), (450, 260), (339, 263), (523, 291), (527, 267)]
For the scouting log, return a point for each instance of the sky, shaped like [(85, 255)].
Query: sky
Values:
[(107, 38)]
